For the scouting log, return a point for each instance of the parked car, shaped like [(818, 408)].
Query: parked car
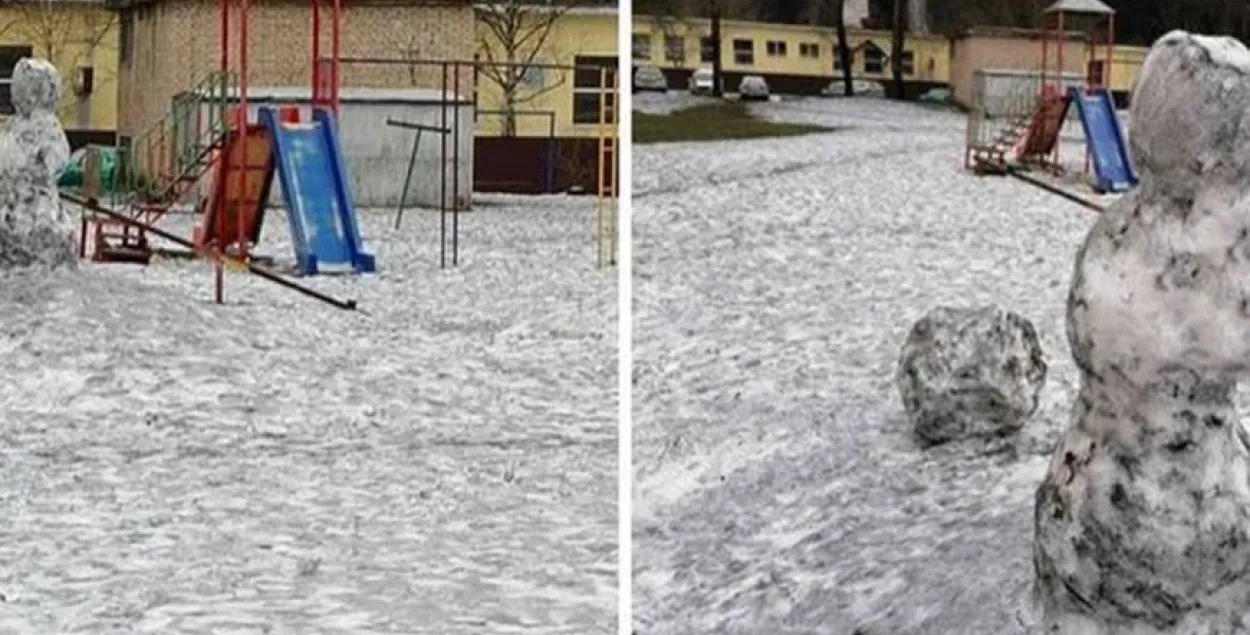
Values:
[(650, 78), (701, 81), (753, 87)]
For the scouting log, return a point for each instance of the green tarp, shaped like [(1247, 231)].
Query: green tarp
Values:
[(71, 177)]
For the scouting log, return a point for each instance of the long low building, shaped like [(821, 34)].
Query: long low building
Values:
[(802, 59)]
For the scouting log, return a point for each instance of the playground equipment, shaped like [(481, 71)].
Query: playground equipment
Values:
[(207, 129), (457, 74), (324, 229), (1020, 127), (606, 200), (412, 159)]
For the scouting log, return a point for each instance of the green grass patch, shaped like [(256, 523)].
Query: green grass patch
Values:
[(713, 122)]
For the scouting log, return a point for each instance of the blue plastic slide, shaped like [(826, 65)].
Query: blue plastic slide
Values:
[(324, 227), (1105, 139)]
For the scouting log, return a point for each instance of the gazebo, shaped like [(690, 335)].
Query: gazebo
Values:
[(1093, 18)]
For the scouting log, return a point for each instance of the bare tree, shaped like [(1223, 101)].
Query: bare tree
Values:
[(516, 38), (67, 36), (897, 44)]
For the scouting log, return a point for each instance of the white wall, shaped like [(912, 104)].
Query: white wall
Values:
[(376, 155)]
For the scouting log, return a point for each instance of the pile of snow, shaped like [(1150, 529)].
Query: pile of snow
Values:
[(967, 373), (35, 229)]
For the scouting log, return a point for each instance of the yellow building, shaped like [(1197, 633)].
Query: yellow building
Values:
[(799, 59), (550, 96), (81, 38)]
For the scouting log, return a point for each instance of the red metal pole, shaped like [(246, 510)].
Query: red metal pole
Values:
[(240, 211), (316, 49), (1045, 88), (336, 53), (1110, 48)]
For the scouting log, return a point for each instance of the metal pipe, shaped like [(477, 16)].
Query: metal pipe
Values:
[(335, 52), (1086, 203), (241, 161), (442, 185), (217, 257), (455, 170)]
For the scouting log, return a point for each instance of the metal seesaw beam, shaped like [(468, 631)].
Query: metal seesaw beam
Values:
[(214, 256)]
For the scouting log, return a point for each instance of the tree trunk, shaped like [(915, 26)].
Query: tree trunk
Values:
[(896, 53), (844, 47), (716, 52)]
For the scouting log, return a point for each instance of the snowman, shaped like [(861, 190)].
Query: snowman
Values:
[(35, 228), (1142, 523)]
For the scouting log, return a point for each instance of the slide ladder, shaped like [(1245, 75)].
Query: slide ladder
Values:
[(159, 169)]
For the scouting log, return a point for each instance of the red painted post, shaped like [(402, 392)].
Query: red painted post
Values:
[(316, 49), (335, 56), (240, 212)]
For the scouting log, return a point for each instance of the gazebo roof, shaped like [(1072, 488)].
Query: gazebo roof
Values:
[(1092, 7)]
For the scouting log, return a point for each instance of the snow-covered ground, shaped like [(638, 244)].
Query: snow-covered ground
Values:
[(444, 464), (778, 486), (673, 101)]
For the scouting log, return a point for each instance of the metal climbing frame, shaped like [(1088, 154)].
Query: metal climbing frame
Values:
[(459, 87), (606, 200)]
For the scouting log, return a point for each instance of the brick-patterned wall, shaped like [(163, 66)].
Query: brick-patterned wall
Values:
[(175, 42)]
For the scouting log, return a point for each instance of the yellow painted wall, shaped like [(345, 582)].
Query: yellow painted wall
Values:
[(1126, 63), (931, 53), (71, 35), (579, 32)]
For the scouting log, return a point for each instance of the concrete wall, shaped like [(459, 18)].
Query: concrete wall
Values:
[(376, 155), (1004, 49)]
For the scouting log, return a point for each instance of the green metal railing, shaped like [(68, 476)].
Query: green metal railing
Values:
[(150, 168)]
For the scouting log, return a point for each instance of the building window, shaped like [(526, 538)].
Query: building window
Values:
[(809, 49), (642, 47), (874, 59), (776, 48), (909, 63), (675, 49), (707, 50), (587, 90), (837, 60), (9, 56), (744, 52)]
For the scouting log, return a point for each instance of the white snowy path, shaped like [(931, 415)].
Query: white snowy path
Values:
[(444, 465), (778, 488)]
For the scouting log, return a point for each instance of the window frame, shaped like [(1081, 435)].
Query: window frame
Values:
[(669, 48), (583, 115), (874, 57), (776, 48), (635, 49), (744, 55), (6, 81)]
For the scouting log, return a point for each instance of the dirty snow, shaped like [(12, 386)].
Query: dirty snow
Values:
[(444, 464), (778, 487), (653, 103)]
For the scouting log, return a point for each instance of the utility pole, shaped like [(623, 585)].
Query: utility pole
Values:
[(716, 52)]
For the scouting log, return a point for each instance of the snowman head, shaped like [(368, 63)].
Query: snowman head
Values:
[(1189, 110), (36, 87)]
